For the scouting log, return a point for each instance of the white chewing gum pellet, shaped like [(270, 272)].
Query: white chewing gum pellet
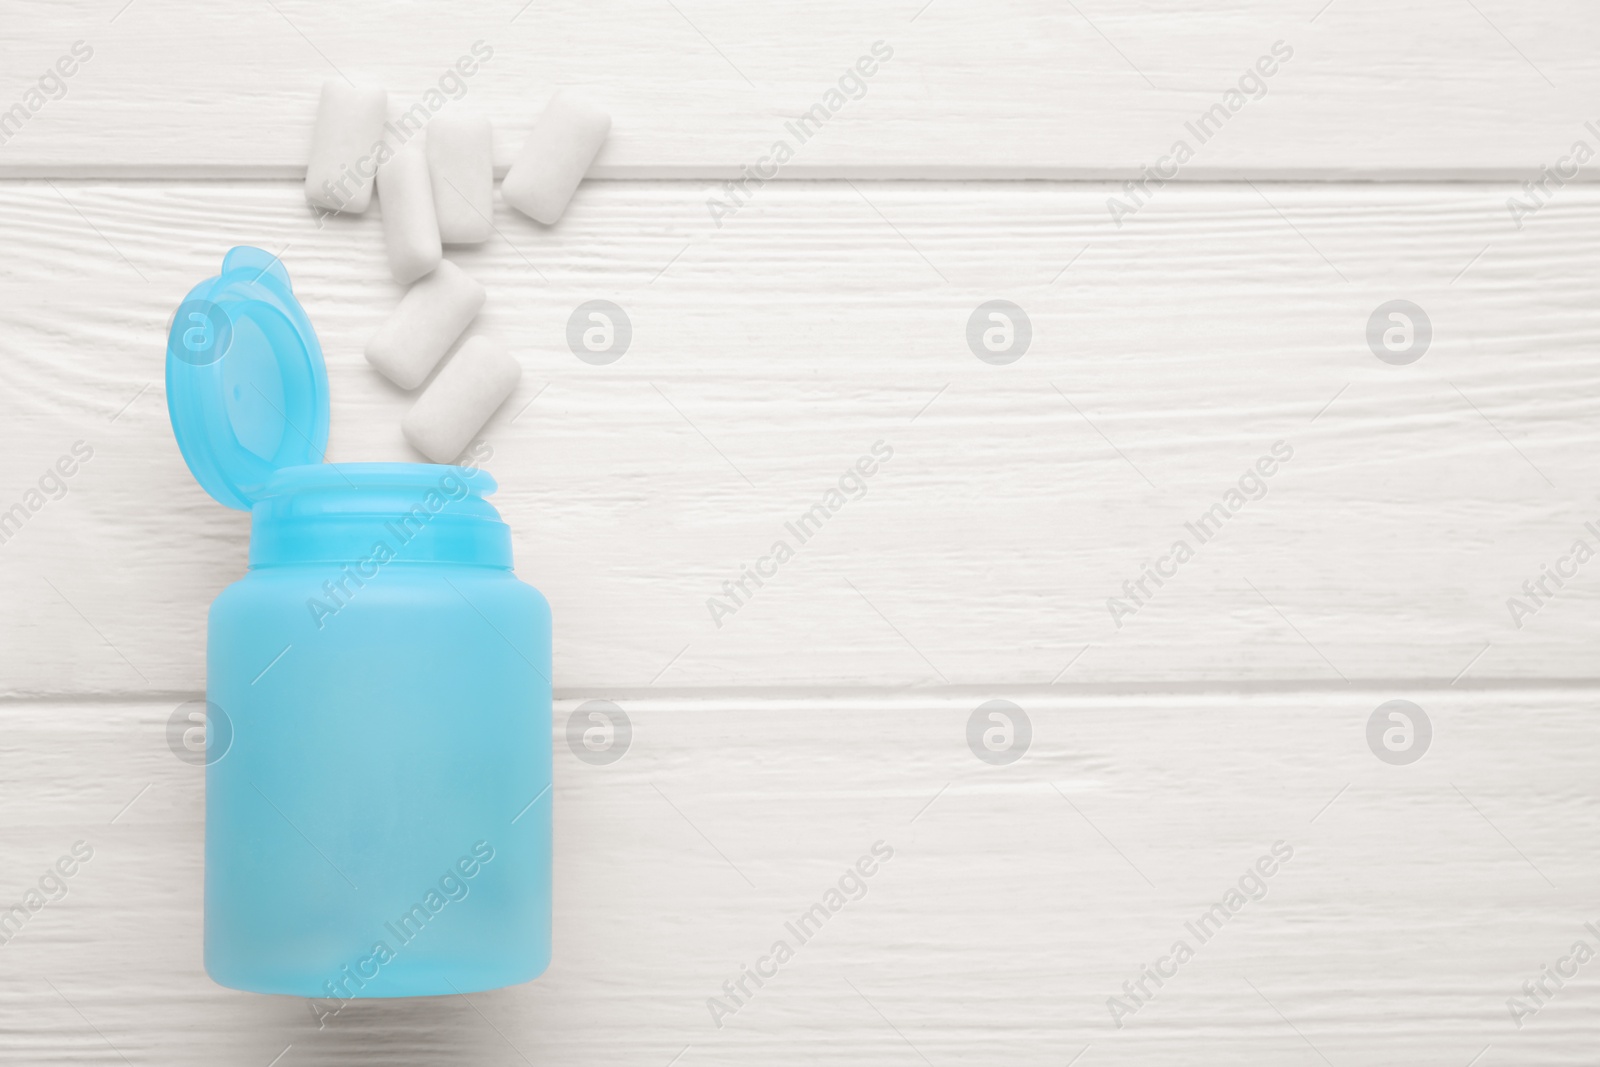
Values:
[(343, 157), (410, 230), (432, 314), (460, 399), (461, 166), (562, 144)]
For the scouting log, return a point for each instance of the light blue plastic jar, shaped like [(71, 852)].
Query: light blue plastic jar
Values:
[(378, 743)]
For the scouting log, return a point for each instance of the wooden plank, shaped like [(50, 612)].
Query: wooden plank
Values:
[(1018, 899), (769, 355), (702, 88)]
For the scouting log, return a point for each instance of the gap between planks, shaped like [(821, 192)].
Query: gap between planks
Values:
[(832, 173), (894, 697)]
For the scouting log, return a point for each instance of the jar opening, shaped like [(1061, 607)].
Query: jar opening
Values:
[(342, 512)]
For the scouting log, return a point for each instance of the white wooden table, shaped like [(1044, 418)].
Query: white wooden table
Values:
[(1174, 738)]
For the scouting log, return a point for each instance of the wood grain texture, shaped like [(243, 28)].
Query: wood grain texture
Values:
[(1023, 88), (1018, 899), (770, 354), (1171, 746)]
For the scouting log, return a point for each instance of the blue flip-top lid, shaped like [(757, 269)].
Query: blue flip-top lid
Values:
[(247, 389)]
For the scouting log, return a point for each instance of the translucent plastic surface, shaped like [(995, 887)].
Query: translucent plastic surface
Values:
[(379, 822)]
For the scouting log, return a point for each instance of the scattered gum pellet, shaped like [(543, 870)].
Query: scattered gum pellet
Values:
[(343, 160), (461, 398), (555, 157), (410, 229), (461, 167), (416, 335)]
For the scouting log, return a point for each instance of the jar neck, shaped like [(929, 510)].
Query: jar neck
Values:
[(370, 514)]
